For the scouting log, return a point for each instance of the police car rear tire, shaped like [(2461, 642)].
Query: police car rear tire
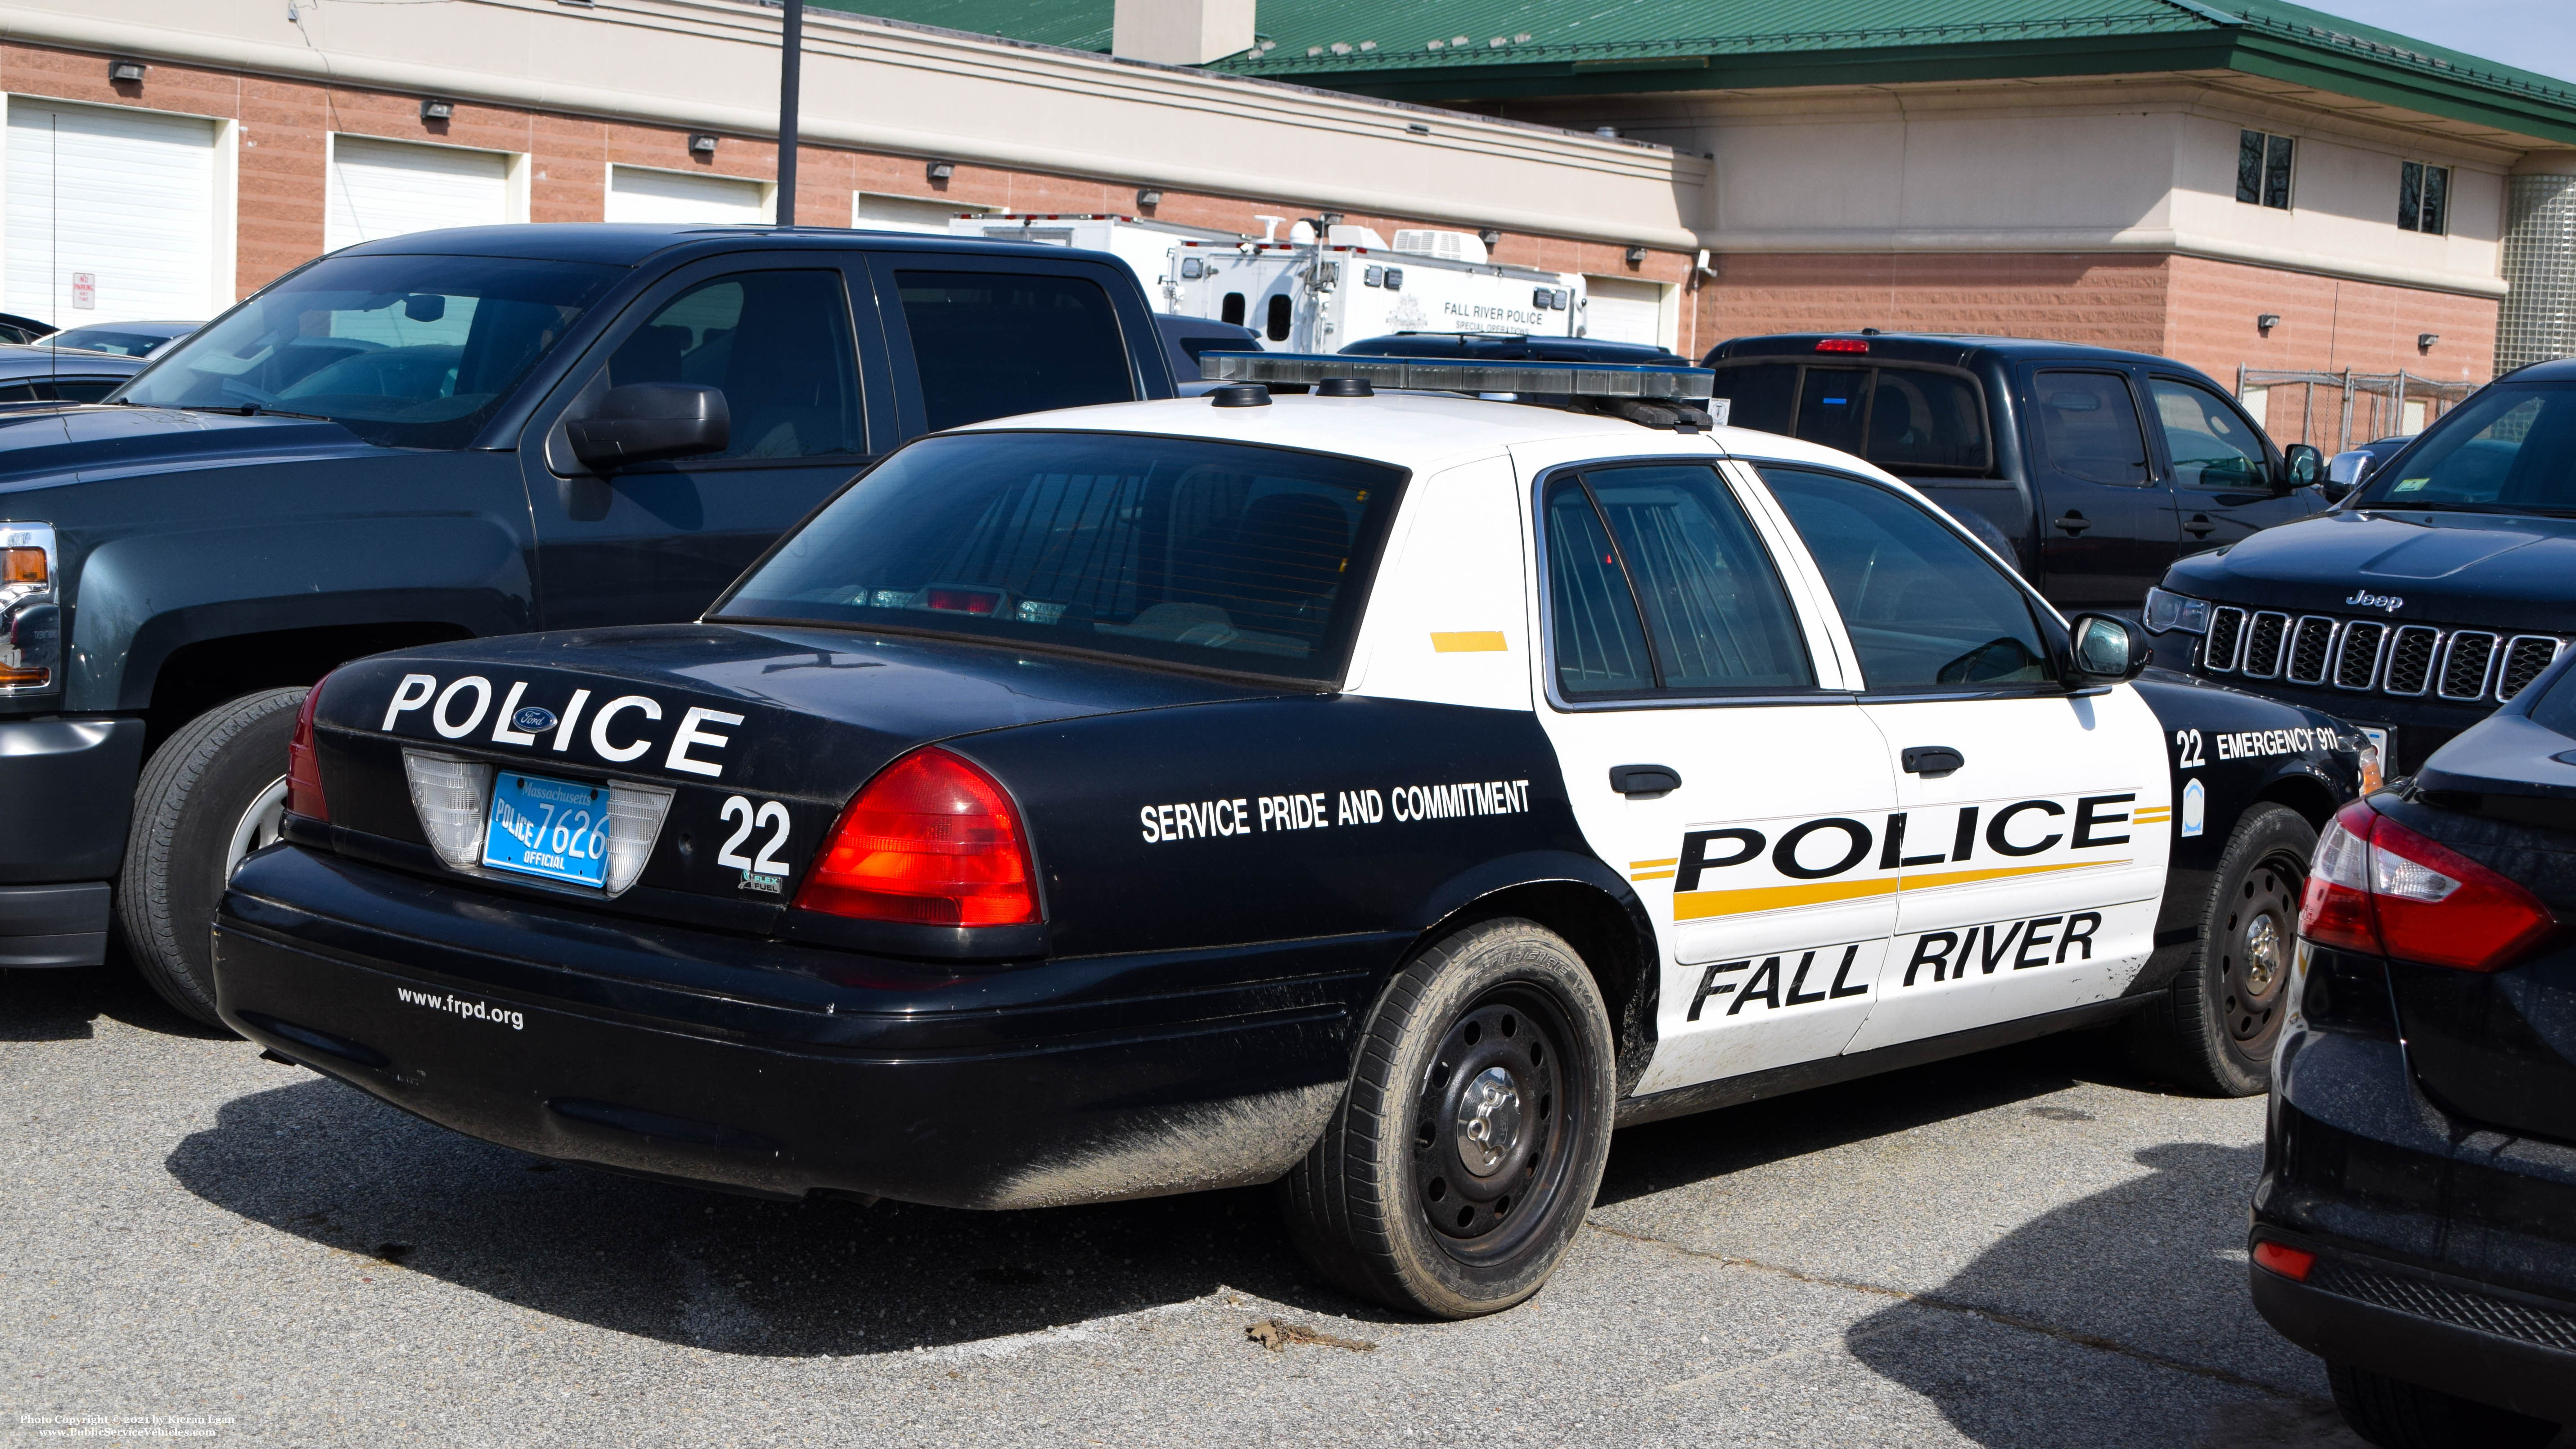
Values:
[(1470, 1140), (210, 794), (2213, 1029)]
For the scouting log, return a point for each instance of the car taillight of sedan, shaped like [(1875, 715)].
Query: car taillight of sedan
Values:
[(2381, 888)]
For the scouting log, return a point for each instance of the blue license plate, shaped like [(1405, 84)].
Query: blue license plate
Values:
[(557, 829)]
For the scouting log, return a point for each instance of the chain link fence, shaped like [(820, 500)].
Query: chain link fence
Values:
[(2334, 410)]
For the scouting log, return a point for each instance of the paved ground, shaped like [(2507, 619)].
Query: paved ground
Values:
[(2028, 1248)]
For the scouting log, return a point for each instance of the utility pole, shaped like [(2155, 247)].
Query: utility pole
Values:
[(791, 64)]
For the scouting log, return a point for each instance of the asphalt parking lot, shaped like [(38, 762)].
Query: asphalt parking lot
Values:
[(2033, 1247)]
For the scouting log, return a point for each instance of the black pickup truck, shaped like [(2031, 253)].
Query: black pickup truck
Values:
[(2090, 468), (442, 436)]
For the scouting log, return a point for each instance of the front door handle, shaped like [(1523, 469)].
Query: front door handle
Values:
[(2200, 525), (1635, 780), (2074, 522), (1932, 759)]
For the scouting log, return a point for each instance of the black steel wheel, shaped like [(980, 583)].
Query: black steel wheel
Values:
[(1470, 1141), (2214, 1027)]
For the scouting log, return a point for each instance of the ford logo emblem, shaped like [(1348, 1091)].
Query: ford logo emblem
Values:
[(535, 719)]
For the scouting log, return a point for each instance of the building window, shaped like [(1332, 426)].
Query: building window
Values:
[(2424, 198), (2263, 169)]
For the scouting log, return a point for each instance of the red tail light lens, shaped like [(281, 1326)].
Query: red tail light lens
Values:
[(2379, 887), (2292, 1263), (1843, 344), (931, 841), (303, 771)]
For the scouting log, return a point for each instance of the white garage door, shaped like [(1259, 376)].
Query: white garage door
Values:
[(111, 215), (637, 194), (387, 188), (1625, 310)]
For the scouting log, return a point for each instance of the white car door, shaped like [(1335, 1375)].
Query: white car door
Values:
[(2031, 832), (1713, 755)]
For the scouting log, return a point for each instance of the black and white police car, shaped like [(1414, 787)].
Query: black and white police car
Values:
[(1382, 795)]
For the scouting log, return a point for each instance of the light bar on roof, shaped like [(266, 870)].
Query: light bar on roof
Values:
[(1423, 374)]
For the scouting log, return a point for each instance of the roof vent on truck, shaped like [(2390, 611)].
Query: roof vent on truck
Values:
[(1655, 397)]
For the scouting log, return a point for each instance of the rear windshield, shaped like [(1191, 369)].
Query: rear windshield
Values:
[(407, 351), (2511, 449), (1212, 555), (1904, 419)]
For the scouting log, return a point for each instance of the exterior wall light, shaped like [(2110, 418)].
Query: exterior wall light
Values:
[(941, 170), (1636, 256), (2424, 340), (125, 70), (1490, 237), (2266, 322), (701, 144), (1147, 198), (438, 110)]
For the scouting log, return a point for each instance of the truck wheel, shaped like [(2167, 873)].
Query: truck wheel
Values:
[(2214, 1027), (2395, 1414), (1470, 1141), (212, 794)]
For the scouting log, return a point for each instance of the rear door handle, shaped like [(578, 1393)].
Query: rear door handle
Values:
[(2074, 522), (1932, 759), (1635, 780)]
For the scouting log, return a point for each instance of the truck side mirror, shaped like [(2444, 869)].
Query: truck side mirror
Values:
[(2301, 467), (2344, 472), (643, 422), (2107, 649)]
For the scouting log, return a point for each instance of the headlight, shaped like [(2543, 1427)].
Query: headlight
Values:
[(31, 627), (2176, 611)]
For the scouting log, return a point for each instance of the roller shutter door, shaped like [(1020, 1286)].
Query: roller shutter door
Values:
[(638, 194), (1623, 310), (122, 198), (387, 188)]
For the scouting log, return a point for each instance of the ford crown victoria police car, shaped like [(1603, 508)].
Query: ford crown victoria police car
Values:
[(1385, 795)]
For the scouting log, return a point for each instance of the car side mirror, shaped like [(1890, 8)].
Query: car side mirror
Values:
[(2345, 472), (2301, 467), (644, 422), (2107, 649)]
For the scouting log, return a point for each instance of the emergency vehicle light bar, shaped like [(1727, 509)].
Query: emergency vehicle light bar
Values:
[(1422, 374)]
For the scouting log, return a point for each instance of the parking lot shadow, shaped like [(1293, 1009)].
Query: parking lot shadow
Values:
[(64, 1004), (712, 1270)]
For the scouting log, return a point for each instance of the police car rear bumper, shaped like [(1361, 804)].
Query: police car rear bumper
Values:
[(783, 1070)]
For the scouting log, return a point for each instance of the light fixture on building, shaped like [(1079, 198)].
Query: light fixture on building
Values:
[(2266, 322), (941, 170), (125, 70), (1328, 221), (2424, 340), (437, 110), (701, 143), (1636, 256), (1147, 198), (1490, 237), (1606, 133)]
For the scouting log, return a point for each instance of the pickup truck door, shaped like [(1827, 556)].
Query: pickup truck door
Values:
[(794, 343), (2106, 519), (2026, 836), (2221, 471), (1676, 642)]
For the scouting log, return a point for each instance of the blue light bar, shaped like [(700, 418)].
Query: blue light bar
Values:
[(1422, 374)]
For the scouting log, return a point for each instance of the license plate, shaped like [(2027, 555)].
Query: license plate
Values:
[(556, 829)]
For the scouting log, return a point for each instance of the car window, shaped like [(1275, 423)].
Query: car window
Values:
[(2211, 447), (776, 344), (1924, 609), (2512, 446), (1676, 551), (989, 344), (76, 389), (2088, 428), (1921, 420), (405, 351), (1216, 555), (1760, 395), (1832, 405)]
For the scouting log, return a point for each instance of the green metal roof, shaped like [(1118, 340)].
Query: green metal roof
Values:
[(1485, 50)]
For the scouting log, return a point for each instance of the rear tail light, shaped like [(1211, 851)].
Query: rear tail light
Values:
[(2379, 887), (2292, 1263), (930, 841), (303, 770), (1843, 344)]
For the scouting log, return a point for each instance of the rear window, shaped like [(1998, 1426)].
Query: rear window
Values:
[(990, 344), (1212, 555), (1904, 419), (2511, 448)]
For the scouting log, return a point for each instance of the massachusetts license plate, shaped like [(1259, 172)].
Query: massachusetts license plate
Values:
[(556, 829)]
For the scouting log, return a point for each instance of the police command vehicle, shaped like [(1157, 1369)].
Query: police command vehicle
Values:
[(1384, 795)]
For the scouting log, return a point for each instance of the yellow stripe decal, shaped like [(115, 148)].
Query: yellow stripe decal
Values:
[(1651, 864), (2152, 817), (1470, 641), (1654, 875), (1700, 905)]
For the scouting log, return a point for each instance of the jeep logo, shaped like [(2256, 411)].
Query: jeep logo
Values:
[(2368, 600)]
